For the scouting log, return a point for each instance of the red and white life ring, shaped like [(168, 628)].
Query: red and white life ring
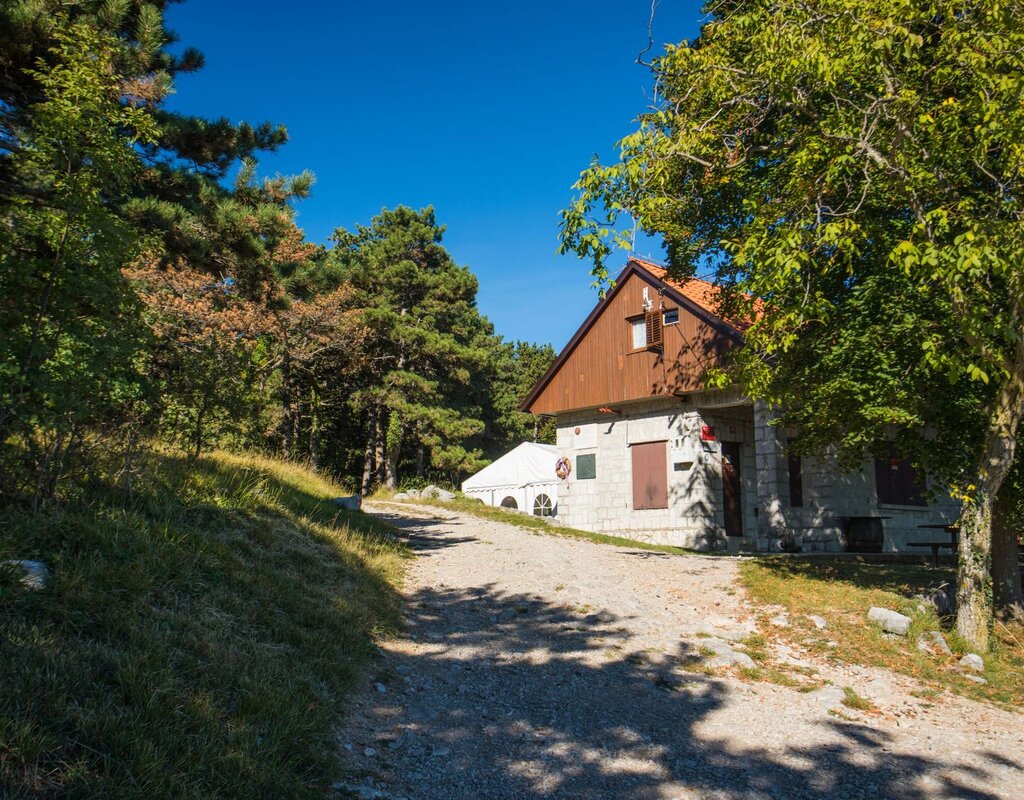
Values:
[(563, 467)]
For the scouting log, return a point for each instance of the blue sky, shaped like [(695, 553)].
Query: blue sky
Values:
[(486, 111)]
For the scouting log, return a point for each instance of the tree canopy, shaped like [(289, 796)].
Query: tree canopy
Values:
[(855, 168)]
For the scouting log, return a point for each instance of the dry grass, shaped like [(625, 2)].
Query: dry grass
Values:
[(843, 591), (196, 644)]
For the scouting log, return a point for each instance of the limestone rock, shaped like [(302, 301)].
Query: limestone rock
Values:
[(933, 643), (781, 620), (351, 503), (890, 621), (32, 574), (972, 662), (828, 697), (402, 496), (819, 622), (724, 655), (437, 493)]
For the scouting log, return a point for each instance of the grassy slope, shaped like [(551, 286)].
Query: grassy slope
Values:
[(843, 591), (197, 645)]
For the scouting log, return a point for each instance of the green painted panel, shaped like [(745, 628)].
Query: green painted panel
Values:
[(586, 466)]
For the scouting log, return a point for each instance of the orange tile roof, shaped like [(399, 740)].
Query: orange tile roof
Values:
[(704, 293)]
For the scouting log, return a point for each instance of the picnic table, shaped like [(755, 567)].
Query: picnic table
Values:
[(950, 543)]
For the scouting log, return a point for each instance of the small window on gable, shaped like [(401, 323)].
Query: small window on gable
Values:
[(671, 316), (639, 330)]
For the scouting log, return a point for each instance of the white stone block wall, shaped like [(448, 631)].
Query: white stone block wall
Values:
[(695, 517)]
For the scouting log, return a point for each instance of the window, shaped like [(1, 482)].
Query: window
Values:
[(671, 316), (586, 466), (542, 506), (510, 502), (897, 482), (650, 475), (639, 328), (796, 482)]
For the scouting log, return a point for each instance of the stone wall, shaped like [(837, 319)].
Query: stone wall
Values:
[(694, 517)]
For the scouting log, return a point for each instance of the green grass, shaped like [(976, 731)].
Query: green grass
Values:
[(538, 525), (196, 644), (853, 700), (842, 592)]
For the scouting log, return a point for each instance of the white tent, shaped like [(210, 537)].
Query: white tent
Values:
[(523, 479)]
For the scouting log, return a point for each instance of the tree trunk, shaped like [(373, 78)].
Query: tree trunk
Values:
[(378, 445), (421, 462), (394, 446), (368, 463), (314, 432), (287, 421), (974, 570), (1007, 593)]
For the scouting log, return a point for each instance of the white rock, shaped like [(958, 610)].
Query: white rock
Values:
[(724, 655), (828, 697), (819, 622), (32, 574), (402, 496), (781, 620), (890, 621), (351, 503), (973, 662), (933, 643), (437, 493)]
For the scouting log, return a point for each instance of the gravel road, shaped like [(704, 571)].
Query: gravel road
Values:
[(537, 666)]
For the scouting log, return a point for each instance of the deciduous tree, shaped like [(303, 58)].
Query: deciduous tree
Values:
[(857, 167)]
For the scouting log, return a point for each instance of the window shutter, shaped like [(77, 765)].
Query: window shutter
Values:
[(655, 329)]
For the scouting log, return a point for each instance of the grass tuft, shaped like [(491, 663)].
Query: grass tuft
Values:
[(197, 643)]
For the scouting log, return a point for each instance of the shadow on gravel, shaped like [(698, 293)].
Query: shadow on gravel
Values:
[(503, 707)]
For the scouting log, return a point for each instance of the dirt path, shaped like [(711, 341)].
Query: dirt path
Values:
[(536, 666)]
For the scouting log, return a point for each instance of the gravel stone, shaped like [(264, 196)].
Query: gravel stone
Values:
[(593, 692), (32, 574)]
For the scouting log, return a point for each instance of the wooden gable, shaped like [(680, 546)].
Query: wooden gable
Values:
[(600, 367)]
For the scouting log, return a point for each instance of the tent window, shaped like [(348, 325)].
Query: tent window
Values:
[(542, 506), (639, 329), (897, 482), (510, 502), (586, 466)]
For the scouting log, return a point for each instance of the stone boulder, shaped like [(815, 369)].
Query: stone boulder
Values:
[(942, 599), (890, 621), (972, 662), (437, 493), (402, 496), (351, 503), (933, 643), (31, 574)]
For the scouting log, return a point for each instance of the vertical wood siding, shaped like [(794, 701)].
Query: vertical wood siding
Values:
[(603, 369)]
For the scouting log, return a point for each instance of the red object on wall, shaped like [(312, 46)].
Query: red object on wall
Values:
[(707, 433)]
